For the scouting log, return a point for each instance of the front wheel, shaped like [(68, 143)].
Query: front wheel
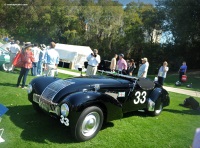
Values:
[(88, 124)]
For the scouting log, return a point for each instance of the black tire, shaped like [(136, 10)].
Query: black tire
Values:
[(37, 108), (157, 111), (88, 124)]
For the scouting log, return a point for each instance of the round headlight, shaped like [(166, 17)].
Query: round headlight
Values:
[(64, 110), (29, 88)]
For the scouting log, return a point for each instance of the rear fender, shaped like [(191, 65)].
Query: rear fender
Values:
[(78, 101), (155, 96)]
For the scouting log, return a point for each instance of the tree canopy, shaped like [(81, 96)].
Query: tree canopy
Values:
[(108, 26)]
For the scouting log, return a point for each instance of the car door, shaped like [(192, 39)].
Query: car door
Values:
[(137, 98)]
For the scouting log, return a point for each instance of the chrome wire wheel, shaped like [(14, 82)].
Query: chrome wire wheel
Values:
[(90, 124)]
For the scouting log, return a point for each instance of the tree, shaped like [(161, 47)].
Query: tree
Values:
[(182, 20)]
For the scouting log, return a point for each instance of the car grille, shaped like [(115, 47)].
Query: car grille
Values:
[(43, 103), (52, 89)]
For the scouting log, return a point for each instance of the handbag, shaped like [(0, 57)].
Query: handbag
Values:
[(17, 61), (184, 78)]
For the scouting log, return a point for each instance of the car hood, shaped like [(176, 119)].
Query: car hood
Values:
[(54, 89), (102, 81)]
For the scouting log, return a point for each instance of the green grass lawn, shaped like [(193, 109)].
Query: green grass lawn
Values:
[(174, 128)]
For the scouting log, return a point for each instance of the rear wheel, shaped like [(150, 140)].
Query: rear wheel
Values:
[(88, 124), (158, 111)]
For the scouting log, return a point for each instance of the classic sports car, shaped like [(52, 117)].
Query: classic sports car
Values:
[(84, 103), (5, 57)]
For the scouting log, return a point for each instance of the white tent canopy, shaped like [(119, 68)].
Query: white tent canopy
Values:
[(73, 54)]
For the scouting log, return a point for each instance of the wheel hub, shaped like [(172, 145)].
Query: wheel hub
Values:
[(90, 124)]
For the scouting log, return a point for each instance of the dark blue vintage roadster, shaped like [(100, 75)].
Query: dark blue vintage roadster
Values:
[(84, 103)]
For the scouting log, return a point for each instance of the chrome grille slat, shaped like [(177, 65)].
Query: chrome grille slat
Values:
[(44, 104), (52, 89)]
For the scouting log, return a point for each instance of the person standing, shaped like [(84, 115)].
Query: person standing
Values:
[(131, 67), (14, 49), (51, 60), (162, 73), (93, 61), (27, 58), (182, 71), (36, 53), (41, 61), (143, 69), (122, 64), (113, 63)]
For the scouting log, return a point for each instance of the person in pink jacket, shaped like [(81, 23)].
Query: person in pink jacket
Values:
[(27, 59)]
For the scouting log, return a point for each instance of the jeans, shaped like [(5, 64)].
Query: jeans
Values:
[(40, 68), (23, 73), (34, 69)]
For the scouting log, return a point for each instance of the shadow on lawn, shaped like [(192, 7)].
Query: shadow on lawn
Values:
[(40, 127), (188, 111), (8, 84), (136, 113)]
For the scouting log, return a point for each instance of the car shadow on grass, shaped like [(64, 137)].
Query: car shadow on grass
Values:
[(140, 113), (184, 111), (38, 127), (107, 125)]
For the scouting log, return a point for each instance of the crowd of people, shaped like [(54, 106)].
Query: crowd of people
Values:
[(127, 67), (44, 61), (41, 60)]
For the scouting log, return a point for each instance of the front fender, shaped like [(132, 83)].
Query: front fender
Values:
[(78, 101), (40, 83)]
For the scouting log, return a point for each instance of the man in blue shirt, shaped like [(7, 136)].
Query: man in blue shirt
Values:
[(51, 60), (182, 70)]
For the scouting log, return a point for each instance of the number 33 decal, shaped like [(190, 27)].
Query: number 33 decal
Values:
[(140, 97)]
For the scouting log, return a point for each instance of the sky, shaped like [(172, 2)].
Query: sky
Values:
[(124, 2)]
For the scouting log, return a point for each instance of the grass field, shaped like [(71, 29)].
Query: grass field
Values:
[(174, 128)]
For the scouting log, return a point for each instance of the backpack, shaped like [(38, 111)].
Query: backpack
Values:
[(191, 103)]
